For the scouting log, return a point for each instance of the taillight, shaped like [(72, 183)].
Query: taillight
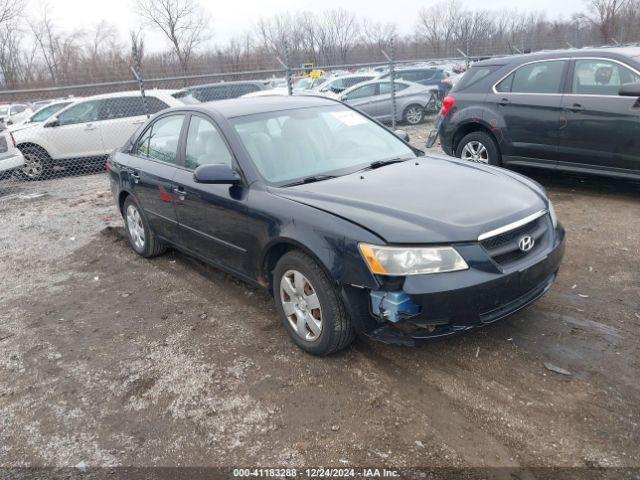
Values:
[(108, 165), (447, 104), (12, 138)]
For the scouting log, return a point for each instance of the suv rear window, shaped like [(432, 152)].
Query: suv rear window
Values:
[(473, 76)]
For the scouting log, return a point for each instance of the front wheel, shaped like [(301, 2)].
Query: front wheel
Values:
[(311, 309), (37, 164), (479, 147)]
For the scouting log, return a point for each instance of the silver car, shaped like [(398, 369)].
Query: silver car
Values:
[(413, 101)]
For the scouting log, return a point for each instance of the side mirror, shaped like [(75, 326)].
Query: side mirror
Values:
[(217, 174), (630, 90), (402, 134), (52, 123)]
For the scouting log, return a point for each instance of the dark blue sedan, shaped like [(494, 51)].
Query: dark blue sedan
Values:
[(350, 228)]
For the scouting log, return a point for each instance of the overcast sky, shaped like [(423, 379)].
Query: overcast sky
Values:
[(231, 18)]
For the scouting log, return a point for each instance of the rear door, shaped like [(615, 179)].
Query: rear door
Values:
[(529, 101), (212, 217), (120, 117), (601, 128), (150, 170)]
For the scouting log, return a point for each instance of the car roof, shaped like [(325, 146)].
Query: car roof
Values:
[(239, 107), (629, 52), (126, 93), (223, 83)]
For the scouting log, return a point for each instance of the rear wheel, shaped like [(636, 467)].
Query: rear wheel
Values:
[(413, 114), (141, 237), (311, 309), (479, 147)]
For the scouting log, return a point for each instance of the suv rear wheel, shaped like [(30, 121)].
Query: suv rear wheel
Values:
[(479, 147)]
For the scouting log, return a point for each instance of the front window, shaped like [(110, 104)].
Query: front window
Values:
[(290, 145), (600, 77), (45, 112), (205, 145), (84, 112), (362, 92)]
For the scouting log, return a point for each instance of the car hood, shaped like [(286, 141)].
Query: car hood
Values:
[(16, 127), (426, 200)]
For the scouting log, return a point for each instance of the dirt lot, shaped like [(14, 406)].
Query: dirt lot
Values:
[(110, 359)]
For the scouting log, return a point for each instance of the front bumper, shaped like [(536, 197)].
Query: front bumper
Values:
[(455, 302)]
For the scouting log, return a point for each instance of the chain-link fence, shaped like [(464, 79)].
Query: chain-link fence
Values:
[(68, 130), (60, 131)]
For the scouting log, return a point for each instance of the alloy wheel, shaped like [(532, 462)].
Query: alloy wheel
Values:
[(33, 166), (301, 305), (475, 151), (414, 115), (135, 226)]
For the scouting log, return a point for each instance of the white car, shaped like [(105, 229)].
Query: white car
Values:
[(86, 131), (10, 114), (10, 157)]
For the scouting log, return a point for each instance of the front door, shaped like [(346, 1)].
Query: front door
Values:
[(76, 133), (529, 102), (361, 98), (212, 217), (601, 127), (151, 171)]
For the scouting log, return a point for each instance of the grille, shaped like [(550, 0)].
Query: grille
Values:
[(504, 249)]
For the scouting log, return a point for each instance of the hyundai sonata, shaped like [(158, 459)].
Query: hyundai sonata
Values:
[(350, 228)]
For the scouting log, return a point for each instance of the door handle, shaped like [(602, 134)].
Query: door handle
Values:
[(575, 108), (89, 126), (504, 101), (179, 191), (138, 122)]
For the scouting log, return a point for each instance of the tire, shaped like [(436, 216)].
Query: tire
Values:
[(413, 114), (37, 164), (479, 147), (325, 329), (141, 237)]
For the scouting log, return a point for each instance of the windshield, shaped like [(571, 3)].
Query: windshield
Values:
[(45, 112), (303, 83), (290, 145)]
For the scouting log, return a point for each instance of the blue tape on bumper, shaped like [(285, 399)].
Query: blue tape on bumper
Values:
[(392, 306)]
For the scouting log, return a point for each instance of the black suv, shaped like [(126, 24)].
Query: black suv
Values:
[(576, 110)]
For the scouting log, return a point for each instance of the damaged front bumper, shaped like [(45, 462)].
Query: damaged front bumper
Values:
[(428, 307)]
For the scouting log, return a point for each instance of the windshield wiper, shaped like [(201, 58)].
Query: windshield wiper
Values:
[(311, 179), (383, 163)]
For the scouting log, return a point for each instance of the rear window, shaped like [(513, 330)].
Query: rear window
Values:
[(473, 76)]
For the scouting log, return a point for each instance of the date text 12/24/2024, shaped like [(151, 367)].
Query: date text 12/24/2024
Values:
[(319, 472)]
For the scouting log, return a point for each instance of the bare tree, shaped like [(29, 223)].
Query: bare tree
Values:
[(183, 22), (605, 15)]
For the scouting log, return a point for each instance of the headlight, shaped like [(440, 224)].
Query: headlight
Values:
[(399, 261), (552, 213)]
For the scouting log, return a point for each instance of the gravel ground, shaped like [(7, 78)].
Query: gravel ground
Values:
[(112, 360)]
